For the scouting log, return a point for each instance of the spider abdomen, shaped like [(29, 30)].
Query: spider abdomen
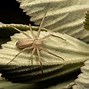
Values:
[(24, 43)]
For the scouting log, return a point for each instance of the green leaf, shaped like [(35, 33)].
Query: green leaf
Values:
[(73, 51), (68, 47)]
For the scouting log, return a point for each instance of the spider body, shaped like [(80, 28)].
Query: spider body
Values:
[(27, 42), (35, 43)]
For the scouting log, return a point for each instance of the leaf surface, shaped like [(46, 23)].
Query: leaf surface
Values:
[(65, 16)]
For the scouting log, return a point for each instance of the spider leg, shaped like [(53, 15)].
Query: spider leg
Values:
[(54, 36), (39, 58), (32, 55), (57, 36), (31, 31), (19, 53), (46, 36), (22, 32), (51, 53), (42, 21)]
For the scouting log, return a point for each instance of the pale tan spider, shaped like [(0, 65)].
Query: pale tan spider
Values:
[(35, 43)]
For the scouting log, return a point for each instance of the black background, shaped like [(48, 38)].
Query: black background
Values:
[(11, 13)]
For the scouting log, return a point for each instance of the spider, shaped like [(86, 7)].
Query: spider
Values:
[(34, 43)]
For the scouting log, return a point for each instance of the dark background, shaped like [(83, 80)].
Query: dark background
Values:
[(11, 13)]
